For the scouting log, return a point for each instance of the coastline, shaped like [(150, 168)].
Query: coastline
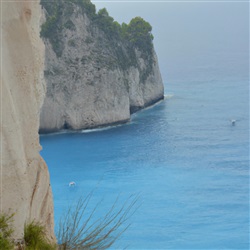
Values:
[(151, 104)]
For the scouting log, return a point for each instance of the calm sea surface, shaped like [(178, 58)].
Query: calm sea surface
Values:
[(187, 163)]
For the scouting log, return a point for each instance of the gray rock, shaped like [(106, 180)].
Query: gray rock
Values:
[(95, 81)]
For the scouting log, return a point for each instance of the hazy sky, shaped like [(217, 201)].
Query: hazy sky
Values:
[(192, 34)]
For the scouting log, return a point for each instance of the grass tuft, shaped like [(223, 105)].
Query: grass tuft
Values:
[(35, 237), (6, 232), (79, 229)]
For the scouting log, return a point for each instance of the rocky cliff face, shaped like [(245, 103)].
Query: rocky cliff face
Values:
[(25, 186), (94, 78)]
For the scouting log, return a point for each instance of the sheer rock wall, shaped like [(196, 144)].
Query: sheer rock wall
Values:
[(25, 184)]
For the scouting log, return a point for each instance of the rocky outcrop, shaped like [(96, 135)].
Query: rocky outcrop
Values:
[(94, 78), (25, 185)]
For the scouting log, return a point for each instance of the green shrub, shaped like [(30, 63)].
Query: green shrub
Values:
[(6, 232), (69, 25), (77, 229), (35, 237), (123, 40), (72, 43), (89, 40), (138, 33)]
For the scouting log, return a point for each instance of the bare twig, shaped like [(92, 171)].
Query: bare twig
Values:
[(75, 232)]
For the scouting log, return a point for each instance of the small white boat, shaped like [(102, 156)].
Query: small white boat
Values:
[(72, 184), (233, 122)]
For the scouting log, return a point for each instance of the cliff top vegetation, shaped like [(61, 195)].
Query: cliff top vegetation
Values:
[(136, 34)]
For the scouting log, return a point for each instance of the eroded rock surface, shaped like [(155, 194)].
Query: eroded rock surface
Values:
[(94, 79), (25, 184)]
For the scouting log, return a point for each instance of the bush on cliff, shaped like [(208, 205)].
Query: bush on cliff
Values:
[(139, 34), (6, 232), (78, 229), (35, 237), (58, 13)]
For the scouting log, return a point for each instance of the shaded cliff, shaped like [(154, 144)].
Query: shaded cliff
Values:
[(98, 72), (25, 185)]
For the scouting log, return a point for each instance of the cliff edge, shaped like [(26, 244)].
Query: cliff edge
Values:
[(25, 184), (97, 71)]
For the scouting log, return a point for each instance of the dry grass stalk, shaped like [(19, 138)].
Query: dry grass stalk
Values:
[(77, 232)]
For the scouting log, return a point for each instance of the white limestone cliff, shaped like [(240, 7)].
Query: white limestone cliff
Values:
[(25, 184), (86, 85)]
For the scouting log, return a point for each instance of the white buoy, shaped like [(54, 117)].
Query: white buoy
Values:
[(72, 184)]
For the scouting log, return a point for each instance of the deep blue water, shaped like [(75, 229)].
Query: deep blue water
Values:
[(183, 157)]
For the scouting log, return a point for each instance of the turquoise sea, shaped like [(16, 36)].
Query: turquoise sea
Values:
[(183, 158)]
